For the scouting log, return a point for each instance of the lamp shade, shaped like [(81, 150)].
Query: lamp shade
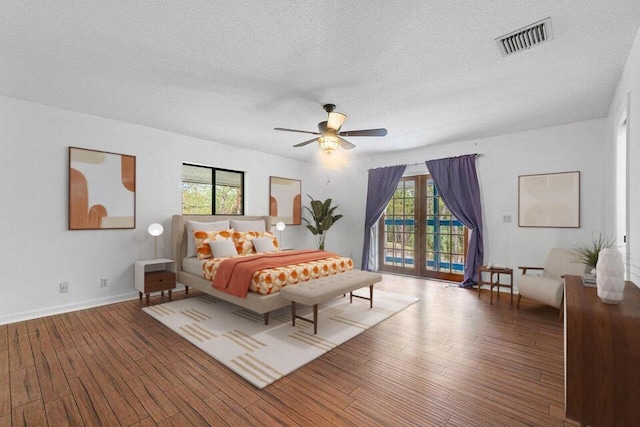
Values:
[(155, 229), (280, 226), (335, 120)]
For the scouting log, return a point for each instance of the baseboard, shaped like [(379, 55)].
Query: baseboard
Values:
[(68, 308)]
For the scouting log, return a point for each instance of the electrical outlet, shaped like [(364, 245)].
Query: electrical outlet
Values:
[(104, 282), (64, 287), (506, 218)]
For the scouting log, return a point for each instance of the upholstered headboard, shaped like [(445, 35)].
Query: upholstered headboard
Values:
[(179, 235)]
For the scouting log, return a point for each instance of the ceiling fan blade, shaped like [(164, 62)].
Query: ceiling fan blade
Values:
[(364, 132), (302, 144), (345, 144), (296, 130), (335, 120)]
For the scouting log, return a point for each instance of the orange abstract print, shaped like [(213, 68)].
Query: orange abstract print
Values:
[(128, 165), (80, 215), (102, 190)]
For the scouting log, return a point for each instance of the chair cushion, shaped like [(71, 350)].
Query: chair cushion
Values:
[(543, 289)]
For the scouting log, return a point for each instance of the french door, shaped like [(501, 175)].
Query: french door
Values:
[(418, 234)]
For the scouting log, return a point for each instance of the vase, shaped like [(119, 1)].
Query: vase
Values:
[(320, 241), (610, 276)]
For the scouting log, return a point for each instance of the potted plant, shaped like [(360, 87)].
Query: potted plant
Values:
[(323, 219), (588, 253)]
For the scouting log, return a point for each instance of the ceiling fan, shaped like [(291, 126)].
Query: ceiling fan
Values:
[(329, 135)]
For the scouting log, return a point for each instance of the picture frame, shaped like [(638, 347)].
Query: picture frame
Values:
[(549, 200), (285, 200), (102, 190)]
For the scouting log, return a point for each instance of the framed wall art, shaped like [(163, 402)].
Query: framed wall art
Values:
[(549, 200), (285, 200), (102, 190)]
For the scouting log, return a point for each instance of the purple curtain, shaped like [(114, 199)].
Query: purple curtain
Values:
[(382, 185), (456, 180)]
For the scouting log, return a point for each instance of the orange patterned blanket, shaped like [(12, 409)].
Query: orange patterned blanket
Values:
[(234, 275)]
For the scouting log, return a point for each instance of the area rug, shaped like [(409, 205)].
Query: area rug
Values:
[(263, 354)]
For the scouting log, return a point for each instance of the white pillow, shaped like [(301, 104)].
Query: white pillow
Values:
[(257, 225), (263, 244), (201, 226), (223, 248)]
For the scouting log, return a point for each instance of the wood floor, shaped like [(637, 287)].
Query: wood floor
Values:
[(449, 360)]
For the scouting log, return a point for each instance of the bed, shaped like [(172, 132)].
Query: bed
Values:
[(189, 269)]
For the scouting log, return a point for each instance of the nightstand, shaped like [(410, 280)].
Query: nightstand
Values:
[(155, 275)]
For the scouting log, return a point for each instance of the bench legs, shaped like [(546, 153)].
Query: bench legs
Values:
[(294, 316), (370, 299)]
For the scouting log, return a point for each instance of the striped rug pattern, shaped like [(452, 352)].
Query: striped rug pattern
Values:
[(263, 354)]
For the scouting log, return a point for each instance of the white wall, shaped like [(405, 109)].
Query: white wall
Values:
[(629, 88), (573, 147), (38, 252), (347, 187)]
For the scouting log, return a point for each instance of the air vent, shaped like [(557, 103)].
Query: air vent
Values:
[(525, 38)]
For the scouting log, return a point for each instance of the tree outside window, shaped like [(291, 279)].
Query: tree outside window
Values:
[(212, 191)]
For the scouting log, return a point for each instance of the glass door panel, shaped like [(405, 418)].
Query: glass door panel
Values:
[(419, 236), (446, 237), (398, 234)]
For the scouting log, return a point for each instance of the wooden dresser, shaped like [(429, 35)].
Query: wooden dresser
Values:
[(602, 356)]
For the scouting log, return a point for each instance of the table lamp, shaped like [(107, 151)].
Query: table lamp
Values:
[(280, 226), (155, 230)]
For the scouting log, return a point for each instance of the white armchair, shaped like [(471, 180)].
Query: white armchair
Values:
[(548, 288)]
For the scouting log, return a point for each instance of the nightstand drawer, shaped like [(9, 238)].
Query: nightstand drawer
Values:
[(155, 281)]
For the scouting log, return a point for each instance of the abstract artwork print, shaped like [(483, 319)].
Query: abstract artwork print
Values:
[(102, 190)]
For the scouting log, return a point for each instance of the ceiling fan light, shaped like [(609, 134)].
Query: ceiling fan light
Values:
[(328, 144), (336, 120)]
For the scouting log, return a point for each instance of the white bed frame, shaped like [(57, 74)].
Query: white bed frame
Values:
[(262, 304)]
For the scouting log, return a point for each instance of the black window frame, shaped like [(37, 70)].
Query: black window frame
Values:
[(213, 190)]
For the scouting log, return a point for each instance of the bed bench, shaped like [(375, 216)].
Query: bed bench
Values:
[(319, 290)]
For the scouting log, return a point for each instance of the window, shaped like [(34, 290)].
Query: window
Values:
[(211, 191)]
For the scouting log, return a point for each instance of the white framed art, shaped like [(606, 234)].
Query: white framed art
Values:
[(549, 200)]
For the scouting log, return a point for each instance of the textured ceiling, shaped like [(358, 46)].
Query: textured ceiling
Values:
[(428, 71)]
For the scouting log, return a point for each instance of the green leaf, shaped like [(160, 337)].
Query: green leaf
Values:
[(317, 209), (588, 253), (327, 222), (312, 229), (326, 206)]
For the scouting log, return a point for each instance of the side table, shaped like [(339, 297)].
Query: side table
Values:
[(155, 275), (494, 280)]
